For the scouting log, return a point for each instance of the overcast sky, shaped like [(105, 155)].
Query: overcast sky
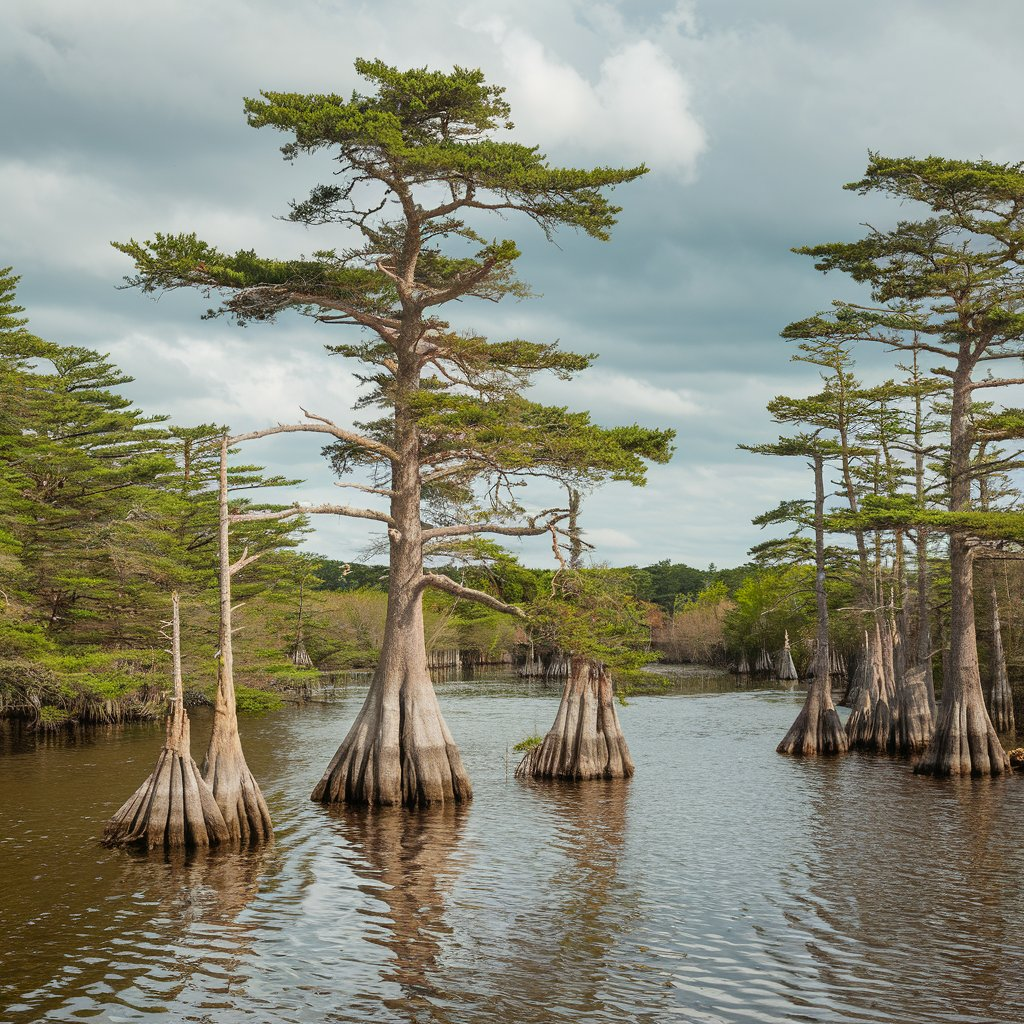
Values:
[(125, 118)]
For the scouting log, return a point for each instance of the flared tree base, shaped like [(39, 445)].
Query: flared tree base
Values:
[(870, 727), (964, 742), (1001, 708), (398, 752), (816, 731), (239, 797), (586, 741), (913, 720), (174, 808)]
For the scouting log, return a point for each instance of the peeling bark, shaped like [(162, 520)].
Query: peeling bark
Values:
[(174, 807), (586, 741)]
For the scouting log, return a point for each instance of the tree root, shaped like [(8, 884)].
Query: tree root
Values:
[(586, 741)]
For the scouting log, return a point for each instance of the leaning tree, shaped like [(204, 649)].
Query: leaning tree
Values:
[(420, 166), (950, 285)]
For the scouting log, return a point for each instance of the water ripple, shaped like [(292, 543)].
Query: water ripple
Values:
[(722, 885)]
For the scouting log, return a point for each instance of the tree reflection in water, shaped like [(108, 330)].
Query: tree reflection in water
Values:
[(876, 888), (408, 861)]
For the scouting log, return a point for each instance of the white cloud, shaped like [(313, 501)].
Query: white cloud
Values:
[(602, 392), (606, 537), (638, 108)]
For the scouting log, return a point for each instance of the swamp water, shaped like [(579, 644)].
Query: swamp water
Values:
[(723, 883)]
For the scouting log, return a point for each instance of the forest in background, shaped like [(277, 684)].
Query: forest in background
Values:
[(105, 508)]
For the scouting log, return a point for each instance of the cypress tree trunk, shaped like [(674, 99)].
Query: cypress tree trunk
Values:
[(399, 749), (817, 729), (1001, 699), (870, 723), (964, 742), (174, 807), (913, 713), (234, 788), (586, 741)]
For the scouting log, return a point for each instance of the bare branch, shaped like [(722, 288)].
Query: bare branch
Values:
[(314, 510), (245, 560), (998, 383), (533, 530), (322, 425), (387, 492), (438, 582)]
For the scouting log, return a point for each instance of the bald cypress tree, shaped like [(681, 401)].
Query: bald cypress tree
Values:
[(420, 168), (950, 284)]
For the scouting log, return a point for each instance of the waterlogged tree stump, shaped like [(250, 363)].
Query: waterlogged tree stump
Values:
[(586, 741), (174, 807)]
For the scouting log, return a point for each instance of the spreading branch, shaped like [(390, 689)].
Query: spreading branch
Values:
[(449, 585)]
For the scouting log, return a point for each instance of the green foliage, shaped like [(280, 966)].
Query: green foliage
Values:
[(51, 717), (593, 613), (415, 156), (250, 701), (525, 746)]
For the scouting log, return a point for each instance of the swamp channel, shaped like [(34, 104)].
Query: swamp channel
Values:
[(723, 883)]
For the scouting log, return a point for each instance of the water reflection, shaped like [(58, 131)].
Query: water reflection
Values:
[(564, 963), (407, 861), (898, 862), (721, 884)]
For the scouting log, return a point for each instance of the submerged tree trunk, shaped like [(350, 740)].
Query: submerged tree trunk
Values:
[(913, 714), (399, 749), (817, 729), (870, 723), (234, 788), (1001, 699), (174, 807), (586, 741)]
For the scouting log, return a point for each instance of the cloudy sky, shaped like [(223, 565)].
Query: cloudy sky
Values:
[(124, 118)]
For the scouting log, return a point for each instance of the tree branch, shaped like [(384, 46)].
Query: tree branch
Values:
[(533, 530), (305, 510), (322, 425), (438, 582)]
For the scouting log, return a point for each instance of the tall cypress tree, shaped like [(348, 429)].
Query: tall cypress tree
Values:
[(950, 284), (420, 168)]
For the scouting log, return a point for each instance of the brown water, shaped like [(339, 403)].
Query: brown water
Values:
[(722, 884)]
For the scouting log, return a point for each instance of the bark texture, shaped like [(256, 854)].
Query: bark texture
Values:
[(817, 729), (870, 722), (913, 712), (399, 749), (586, 741), (1001, 698), (234, 788), (174, 807), (964, 742)]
